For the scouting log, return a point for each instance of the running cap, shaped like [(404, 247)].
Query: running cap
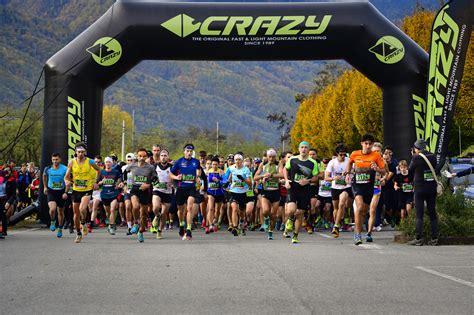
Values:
[(303, 143), (238, 157), (108, 159), (188, 146), (130, 156), (230, 157), (257, 160), (271, 152), (420, 144)]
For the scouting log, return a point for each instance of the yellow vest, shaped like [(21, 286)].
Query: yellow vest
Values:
[(83, 176)]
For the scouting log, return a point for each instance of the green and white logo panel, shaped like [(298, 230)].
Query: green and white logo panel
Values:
[(388, 49), (106, 51)]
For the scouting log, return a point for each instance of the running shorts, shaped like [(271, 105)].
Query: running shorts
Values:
[(56, 196)]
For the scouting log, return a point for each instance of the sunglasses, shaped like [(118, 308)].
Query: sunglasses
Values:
[(368, 143), (342, 154)]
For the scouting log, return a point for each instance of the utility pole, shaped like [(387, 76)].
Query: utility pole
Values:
[(123, 140), (133, 130), (217, 139)]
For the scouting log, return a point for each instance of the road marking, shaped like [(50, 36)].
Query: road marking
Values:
[(439, 274), (371, 246), (324, 235), (23, 231)]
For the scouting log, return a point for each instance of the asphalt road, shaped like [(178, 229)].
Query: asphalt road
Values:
[(219, 273)]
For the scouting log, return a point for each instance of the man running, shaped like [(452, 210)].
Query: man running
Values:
[(110, 181), (54, 189), (82, 173), (187, 171), (299, 172), (142, 176), (269, 175), (162, 193), (341, 191), (365, 163)]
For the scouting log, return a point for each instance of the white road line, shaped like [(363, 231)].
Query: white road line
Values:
[(23, 231), (324, 235), (371, 246), (439, 274)]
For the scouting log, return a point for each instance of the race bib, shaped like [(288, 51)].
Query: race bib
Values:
[(362, 178), (57, 185), (188, 178), (407, 187), (428, 176), (139, 179), (161, 185), (80, 183), (238, 184), (108, 182), (299, 177), (271, 185), (214, 186)]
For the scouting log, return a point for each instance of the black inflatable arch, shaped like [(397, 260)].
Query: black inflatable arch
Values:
[(132, 31)]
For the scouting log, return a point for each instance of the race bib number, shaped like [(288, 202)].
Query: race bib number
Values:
[(188, 178), (214, 186), (428, 176), (238, 184), (161, 185), (362, 178), (108, 182), (325, 187), (299, 177), (407, 187), (80, 183), (57, 185), (271, 185), (377, 183), (139, 179)]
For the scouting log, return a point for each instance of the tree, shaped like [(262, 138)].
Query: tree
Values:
[(112, 120)]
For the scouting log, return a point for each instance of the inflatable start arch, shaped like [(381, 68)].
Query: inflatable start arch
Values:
[(132, 31)]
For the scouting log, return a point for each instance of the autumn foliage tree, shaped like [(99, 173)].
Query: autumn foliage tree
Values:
[(352, 105)]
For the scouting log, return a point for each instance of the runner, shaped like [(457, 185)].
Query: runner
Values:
[(215, 195), (110, 182), (142, 175), (285, 156), (187, 171), (325, 199), (375, 210), (269, 175), (162, 193), (314, 212), (240, 181), (126, 178), (54, 189), (299, 172), (341, 191), (7, 197), (365, 163), (82, 173), (96, 201), (249, 215), (403, 184)]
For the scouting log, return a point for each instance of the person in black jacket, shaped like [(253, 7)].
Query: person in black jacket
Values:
[(425, 191), (7, 197)]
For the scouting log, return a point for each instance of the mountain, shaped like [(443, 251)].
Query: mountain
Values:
[(167, 93)]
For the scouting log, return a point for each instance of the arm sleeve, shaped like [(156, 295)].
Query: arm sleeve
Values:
[(204, 179)]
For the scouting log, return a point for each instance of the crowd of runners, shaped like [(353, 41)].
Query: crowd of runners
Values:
[(288, 192)]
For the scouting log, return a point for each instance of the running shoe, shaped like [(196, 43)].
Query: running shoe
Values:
[(282, 227), (262, 228), (327, 226), (71, 229), (89, 227), (78, 238), (159, 235), (203, 224), (309, 229), (368, 238), (378, 228), (181, 231), (207, 230), (153, 229), (252, 227), (242, 232), (294, 239), (141, 239), (289, 225), (357, 239), (270, 235), (416, 242), (97, 221), (111, 230), (433, 242), (286, 234), (123, 224), (317, 222), (278, 225), (84, 229), (135, 229), (266, 223), (335, 232), (189, 235), (59, 234), (215, 228), (129, 231), (218, 226), (447, 174), (229, 228), (52, 227), (234, 232)]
